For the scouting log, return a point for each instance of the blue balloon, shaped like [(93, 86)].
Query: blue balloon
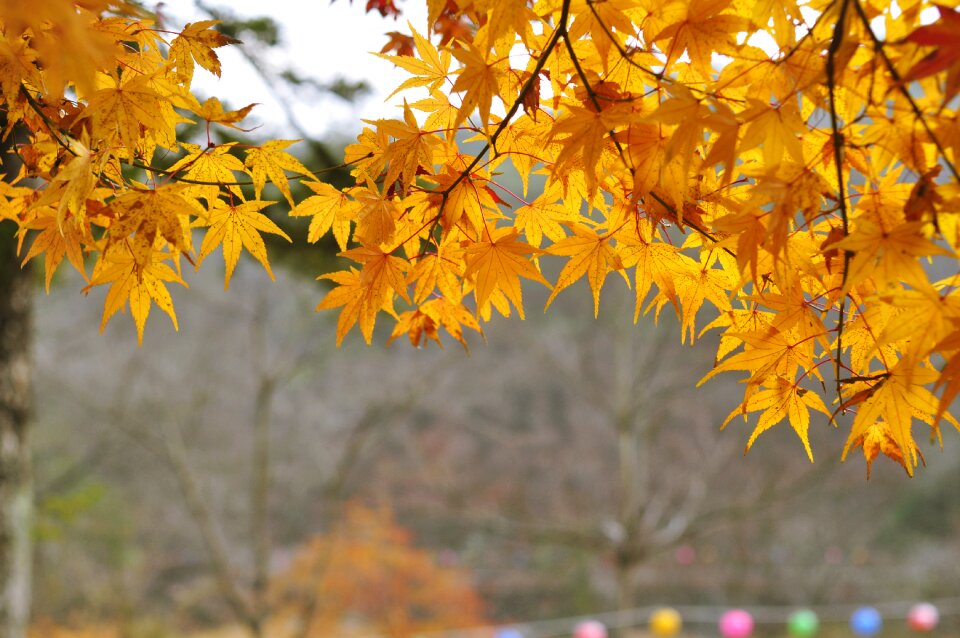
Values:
[(509, 632), (866, 621)]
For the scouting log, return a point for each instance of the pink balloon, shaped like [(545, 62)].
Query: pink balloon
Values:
[(590, 629), (923, 617), (736, 623)]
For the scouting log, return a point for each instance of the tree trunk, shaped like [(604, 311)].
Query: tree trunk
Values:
[(16, 487)]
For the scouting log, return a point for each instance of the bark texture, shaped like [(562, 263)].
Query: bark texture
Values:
[(16, 499)]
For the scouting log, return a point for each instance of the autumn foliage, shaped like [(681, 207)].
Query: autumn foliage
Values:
[(781, 172), (367, 577)]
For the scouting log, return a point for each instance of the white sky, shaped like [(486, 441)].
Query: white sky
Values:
[(321, 40)]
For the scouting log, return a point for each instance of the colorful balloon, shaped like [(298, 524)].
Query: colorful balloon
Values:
[(803, 623), (665, 622), (866, 621), (590, 629), (923, 617), (736, 623)]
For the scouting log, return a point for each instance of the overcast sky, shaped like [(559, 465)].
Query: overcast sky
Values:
[(322, 40)]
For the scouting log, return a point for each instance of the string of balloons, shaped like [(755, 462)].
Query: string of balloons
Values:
[(667, 622)]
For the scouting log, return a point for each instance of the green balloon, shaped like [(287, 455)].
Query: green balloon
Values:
[(803, 623)]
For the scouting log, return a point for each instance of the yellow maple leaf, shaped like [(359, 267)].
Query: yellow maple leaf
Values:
[(423, 323), (876, 438), (441, 271), (497, 262), (479, 79), (329, 208), (137, 274), (377, 214), (544, 216), (271, 160), (780, 399), (235, 227), (197, 42), (365, 293), (119, 112), (701, 28), (768, 353), (56, 240), (887, 254), (209, 170), (591, 255), (348, 294), (212, 111), (430, 70), (410, 150), (161, 212), (895, 401)]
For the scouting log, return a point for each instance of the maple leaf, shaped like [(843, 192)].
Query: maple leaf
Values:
[(137, 274), (400, 43), (438, 271), (591, 255), (469, 196), (197, 42), (656, 263), (430, 70), (768, 353), (479, 79), (212, 111), (701, 28), (363, 294), (376, 214), (891, 405), (497, 263), (780, 399), (411, 149), (423, 323), (163, 212), (367, 155), (778, 130), (235, 227), (55, 240), (118, 112), (329, 208), (72, 186), (877, 438), (270, 160), (213, 168), (544, 217), (583, 136), (889, 254)]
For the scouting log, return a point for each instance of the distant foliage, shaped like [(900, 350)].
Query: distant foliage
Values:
[(789, 167), (368, 577)]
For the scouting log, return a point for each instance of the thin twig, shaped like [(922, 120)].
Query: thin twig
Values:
[(839, 31)]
